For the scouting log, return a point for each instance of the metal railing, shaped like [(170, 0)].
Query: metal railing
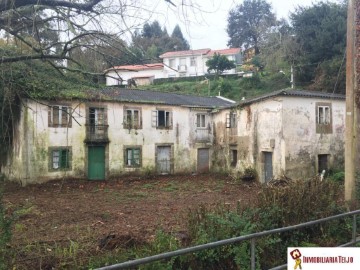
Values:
[(96, 133), (252, 237)]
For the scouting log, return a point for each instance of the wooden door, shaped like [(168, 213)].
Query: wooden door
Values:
[(203, 160), (268, 167), (163, 159), (96, 162)]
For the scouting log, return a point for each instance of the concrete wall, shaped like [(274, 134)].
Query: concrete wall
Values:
[(304, 143), (30, 161), (286, 127)]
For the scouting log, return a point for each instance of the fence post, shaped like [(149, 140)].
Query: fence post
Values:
[(252, 247)]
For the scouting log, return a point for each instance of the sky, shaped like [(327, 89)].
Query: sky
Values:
[(205, 25)]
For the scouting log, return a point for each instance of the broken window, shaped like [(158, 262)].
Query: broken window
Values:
[(59, 116), (323, 117), (231, 120), (60, 158), (96, 116), (201, 120), (132, 118), (133, 157), (162, 119)]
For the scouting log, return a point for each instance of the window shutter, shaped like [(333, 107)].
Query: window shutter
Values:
[(228, 120), (154, 117), (50, 123), (69, 110), (55, 116), (170, 119), (140, 119)]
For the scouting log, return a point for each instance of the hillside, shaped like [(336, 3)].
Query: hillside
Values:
[(230, 87)]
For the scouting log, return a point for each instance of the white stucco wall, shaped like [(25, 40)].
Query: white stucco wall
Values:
[(112, 76), (30, 161), (303, 143), (286, 127)]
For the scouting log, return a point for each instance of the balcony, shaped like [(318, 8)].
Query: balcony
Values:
[(97, 133), (203, 135)]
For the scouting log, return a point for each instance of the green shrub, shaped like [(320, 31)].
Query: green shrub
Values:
[(5, 231)]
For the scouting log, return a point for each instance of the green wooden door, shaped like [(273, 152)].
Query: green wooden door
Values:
[(96, 162)]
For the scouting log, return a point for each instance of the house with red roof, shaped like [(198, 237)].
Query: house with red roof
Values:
[(193, 62), (141, 74), (188, 63)]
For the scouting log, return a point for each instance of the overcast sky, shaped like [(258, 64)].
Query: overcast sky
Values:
[(205, 26)]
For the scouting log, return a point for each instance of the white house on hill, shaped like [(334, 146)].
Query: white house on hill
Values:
[(188, 63)]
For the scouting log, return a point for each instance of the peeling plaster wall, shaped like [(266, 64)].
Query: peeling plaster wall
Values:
[(304, 144), (260, 130), (30, 160)]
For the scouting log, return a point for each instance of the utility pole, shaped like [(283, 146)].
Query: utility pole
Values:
[(352, 130), (292, 77)]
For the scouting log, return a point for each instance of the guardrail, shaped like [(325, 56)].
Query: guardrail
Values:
[(251, 237)]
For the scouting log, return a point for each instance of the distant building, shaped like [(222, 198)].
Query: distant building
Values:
[(188, 63)]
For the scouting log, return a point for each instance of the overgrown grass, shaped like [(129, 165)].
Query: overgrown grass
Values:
[(229, 87), (276, 207)]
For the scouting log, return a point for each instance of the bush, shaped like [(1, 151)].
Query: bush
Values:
[(5, 230)]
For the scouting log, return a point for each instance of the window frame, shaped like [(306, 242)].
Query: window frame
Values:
[(132, 124), (168, 119), (63, 116), (132, 148), (324, 118), (63, 151), (193, 61), (202, 124), (172, 63), (231, 120)]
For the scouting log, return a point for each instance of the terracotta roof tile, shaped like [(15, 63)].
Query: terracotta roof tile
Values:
[(225, 51), (185, 53)]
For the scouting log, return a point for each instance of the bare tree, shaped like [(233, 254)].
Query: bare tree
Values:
[(72, 25)]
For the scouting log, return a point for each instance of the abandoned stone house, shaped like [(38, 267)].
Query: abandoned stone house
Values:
[(287, 132), (115, 131), (118, 131)]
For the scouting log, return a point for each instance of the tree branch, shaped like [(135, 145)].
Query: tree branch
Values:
[(6, 5)]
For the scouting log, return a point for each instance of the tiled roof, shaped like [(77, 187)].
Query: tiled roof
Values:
[(230, 51), (155, 97), (137, 67), (293, 93), (185, 53)]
